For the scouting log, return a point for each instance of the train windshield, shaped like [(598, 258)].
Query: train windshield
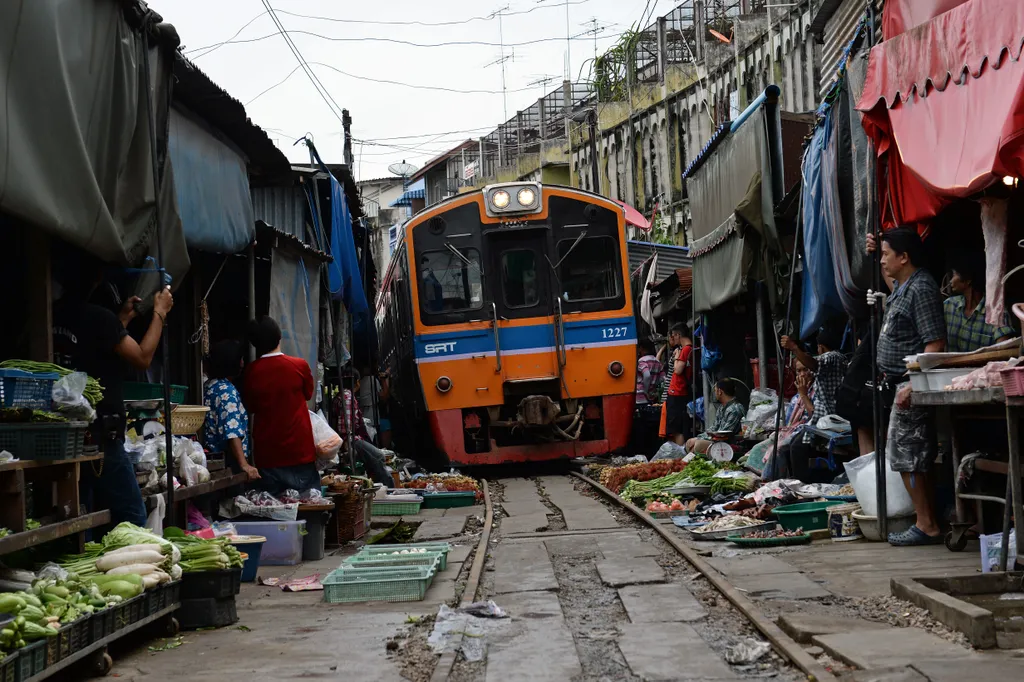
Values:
[(520, 286), (589, 270), (450, 281)]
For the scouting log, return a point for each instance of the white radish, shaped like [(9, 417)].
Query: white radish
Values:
[(153, 547), (175, 572), (175, 554), (150, 581), (136, 569), (109, 561), (164, 577)]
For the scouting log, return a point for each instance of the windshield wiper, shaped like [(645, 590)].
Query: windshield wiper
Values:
[(462, 257), (554, 266)]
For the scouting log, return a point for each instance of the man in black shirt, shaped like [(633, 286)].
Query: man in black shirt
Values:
[(92, 339)]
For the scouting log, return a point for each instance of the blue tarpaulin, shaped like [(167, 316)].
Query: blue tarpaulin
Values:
[(212, 186), (820, 296)]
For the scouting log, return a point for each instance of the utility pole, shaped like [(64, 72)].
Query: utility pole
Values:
[(346, 126), (592, 120), (501, 41), (568, 44)]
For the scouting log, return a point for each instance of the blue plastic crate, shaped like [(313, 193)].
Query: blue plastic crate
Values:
[(19, 388)]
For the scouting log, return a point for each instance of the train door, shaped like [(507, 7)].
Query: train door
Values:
[(519, 282)]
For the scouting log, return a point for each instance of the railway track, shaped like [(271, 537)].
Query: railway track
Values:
[(597, 590)]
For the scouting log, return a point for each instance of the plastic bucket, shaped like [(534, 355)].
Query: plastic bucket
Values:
[(805, 515), (253, 546), (841, 524)]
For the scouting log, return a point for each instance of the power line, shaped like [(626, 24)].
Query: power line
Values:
[(335, 108), (489, 17)]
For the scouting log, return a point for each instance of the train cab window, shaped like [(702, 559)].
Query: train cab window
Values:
[(519, 283), (589, 269), (450, 284)]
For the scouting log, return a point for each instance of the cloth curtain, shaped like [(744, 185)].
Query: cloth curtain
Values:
[(994, 228), (295, 303)]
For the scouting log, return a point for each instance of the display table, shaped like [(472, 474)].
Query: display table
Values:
[(986, 403)]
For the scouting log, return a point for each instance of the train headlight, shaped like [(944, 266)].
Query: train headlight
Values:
[(444, 384), (526, 197), (616, 369), (500, 199)]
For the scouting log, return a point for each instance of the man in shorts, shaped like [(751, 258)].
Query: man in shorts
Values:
[(913, 323), (678, 425)]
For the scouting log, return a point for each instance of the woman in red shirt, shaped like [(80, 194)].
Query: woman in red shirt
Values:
[(677, 420), (275, 391)]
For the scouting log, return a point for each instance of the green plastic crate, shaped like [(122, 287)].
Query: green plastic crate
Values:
[(9, 668), (429, 560), (134, 390), (448, 500), (439, 547), (395, 508), (346, 584), (32, 659)]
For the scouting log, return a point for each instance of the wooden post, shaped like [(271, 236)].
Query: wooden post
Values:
[(40, 325)]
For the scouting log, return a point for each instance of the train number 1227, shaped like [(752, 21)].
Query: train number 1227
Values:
[(614, 332)]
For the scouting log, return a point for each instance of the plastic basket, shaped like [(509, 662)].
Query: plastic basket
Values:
[(394, 550), (127, 613), (207, 613), (32, 659), (53, 650), (803, 539), (211, 584), (186, 420), (72, 638), (347, 584), (805, 515), (101, 624), (448, 500), (134, 390), (381, 508), (9, 668), (44, 441), (429, 560), (1013, 381), (19, 388)]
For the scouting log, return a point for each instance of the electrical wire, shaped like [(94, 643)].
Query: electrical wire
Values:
[(335, 108)]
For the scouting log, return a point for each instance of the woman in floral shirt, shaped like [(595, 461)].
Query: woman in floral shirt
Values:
[(227, 424)]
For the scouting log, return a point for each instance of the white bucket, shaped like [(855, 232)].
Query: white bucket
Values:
[(841, 524)]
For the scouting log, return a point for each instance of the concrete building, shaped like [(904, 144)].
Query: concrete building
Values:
[(446, 174), (377, 196)]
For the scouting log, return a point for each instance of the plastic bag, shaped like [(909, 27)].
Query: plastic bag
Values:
[(69, 397), (862, 477), (991, 546), (763, 408), (188, 471), (670, 450), (261, 504), (327, 440)]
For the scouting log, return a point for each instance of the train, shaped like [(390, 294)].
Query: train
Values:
[(506, 324)]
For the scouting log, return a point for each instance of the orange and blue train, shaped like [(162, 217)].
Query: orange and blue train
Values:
[(506, 323)]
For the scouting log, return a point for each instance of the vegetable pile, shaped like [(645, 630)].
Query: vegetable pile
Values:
[(727, 523), (770, 534), (198, 555), (23, 415), (93, 390), (648, 489), (452, 483), (615, 478), (128, 550), (656, 506)]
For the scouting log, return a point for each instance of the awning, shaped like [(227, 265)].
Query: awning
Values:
[(212, 186), (944, 102), (634, 217), (407, 197), (900, 16), (721, 261)]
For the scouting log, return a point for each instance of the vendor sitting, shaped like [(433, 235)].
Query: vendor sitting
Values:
[(276, 389), (362, 448), (728, 418), (966, 326), (226, 428)]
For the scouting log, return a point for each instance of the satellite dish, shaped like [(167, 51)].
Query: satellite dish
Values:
[(403, 170)]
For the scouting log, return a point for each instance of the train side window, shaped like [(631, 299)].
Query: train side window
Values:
[(590, 270), (449, 284), (519, 278)]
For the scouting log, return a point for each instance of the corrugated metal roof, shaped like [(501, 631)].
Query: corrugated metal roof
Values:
[(408, 196), (283, 208), (670, 257)]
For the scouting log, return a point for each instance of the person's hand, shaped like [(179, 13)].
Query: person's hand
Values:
[(787, 343), (871, 243), (876, 297), (163, 302), (903, 397), (803, 384), (251, 472), (128, 313)]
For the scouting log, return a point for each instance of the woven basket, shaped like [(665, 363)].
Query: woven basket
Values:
[(186, 420), (351, 518)]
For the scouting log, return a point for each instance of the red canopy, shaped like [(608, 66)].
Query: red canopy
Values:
[(634, 217), (944, 104), (902, 15)]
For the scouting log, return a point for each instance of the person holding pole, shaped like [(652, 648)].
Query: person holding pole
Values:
[(912, 323)]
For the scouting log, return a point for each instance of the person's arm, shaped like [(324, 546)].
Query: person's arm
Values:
[(802, 388), (307, 380), (140, 355), (385, 389), (358, 425), (732, 420), (235, 449), (805, 358), (645, 380)]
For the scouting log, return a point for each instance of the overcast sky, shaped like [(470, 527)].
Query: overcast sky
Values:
[(396, 122)]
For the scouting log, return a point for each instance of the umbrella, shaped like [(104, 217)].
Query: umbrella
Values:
[(634, 217)]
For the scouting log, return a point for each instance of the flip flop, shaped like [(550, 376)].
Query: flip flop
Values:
[(913, 536)]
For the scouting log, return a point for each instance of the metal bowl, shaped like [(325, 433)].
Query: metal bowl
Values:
[(722, 534)]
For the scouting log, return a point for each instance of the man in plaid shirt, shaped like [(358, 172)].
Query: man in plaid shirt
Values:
[(913, 323), (365, 451), (829, 367), (966, 327), (728, 418)]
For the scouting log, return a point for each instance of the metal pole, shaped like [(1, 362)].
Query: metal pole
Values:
[(250, 254), (782, 357), (594, 166), (166, 355), (762, 341)]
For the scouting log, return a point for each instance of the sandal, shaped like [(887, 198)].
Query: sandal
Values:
[(913, 536)]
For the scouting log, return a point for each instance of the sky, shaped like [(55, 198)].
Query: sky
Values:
[(368, 40)]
